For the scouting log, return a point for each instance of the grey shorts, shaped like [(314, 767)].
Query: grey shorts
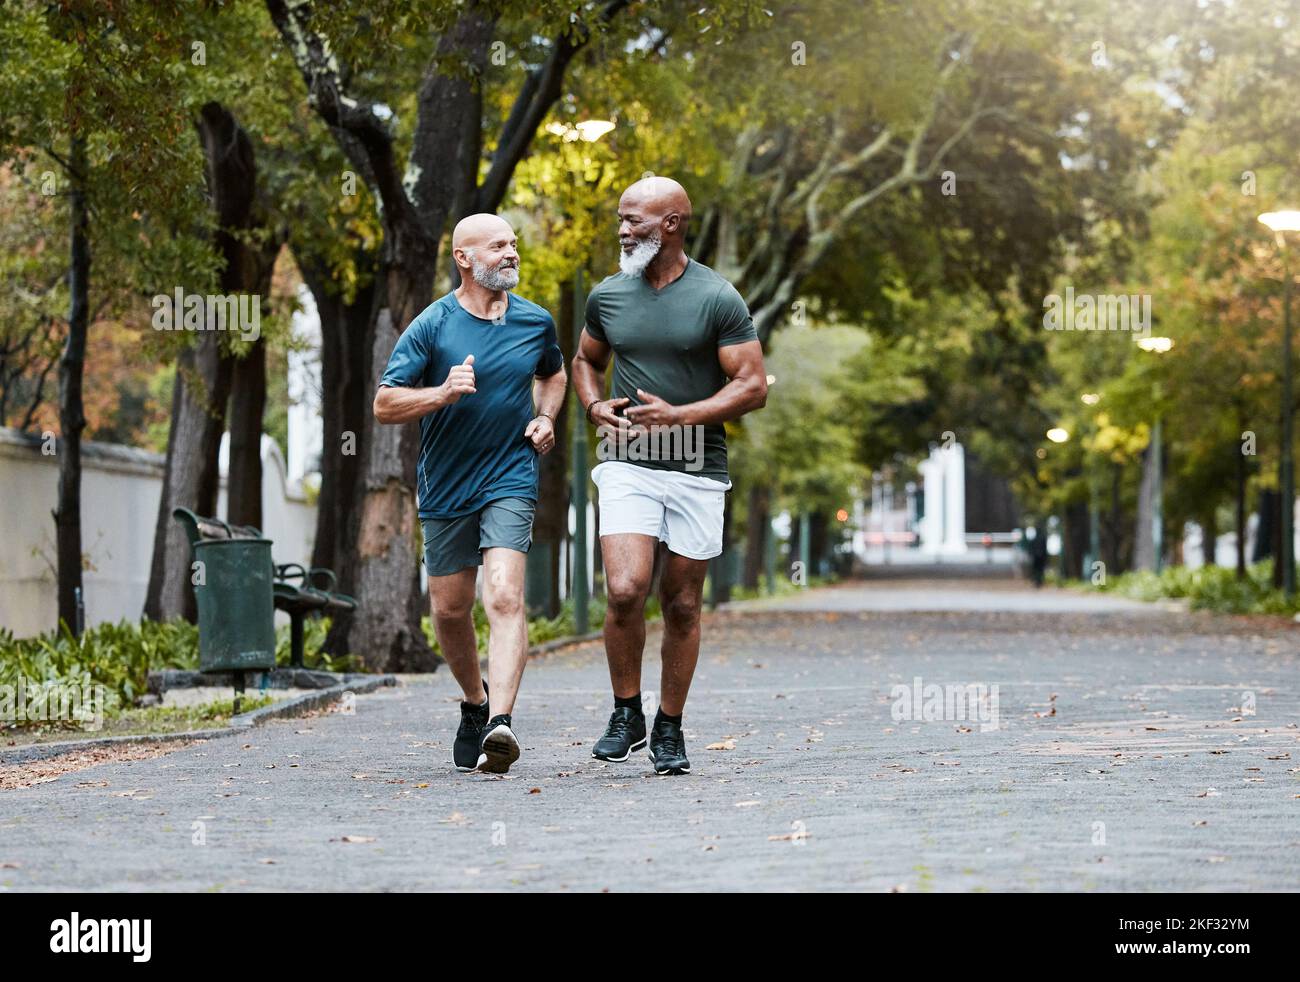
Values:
[(453, 544)]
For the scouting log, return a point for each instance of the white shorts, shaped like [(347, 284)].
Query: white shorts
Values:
[(683, 510)]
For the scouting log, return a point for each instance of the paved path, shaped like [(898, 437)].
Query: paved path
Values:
[(1123, 761)]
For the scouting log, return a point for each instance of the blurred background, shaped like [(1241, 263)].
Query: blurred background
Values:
[(1006, 258)]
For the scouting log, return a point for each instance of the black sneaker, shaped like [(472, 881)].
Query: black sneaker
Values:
[(499, 749), (464, 751), (668, 748), (625, 733)]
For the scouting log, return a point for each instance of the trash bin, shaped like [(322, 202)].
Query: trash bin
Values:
[(236, 605)]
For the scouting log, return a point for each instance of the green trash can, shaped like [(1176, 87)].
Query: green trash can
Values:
[(236, 605)]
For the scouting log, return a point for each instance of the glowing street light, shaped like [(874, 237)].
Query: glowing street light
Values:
[(589, 130), (1157, 345)]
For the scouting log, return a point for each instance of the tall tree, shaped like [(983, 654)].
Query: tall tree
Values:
[(441, 180)]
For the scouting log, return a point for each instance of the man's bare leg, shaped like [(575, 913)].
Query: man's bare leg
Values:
[(503, 599), (629, 561), (681, 594), (451, 599)]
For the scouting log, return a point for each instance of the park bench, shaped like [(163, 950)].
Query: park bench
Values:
[(315, 591)]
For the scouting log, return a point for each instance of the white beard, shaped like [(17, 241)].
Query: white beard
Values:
[(634, 263), (497, 278)]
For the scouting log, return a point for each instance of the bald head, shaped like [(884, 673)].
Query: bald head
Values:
[(660, 197), (477, 230), (652, 217), (483, 246)]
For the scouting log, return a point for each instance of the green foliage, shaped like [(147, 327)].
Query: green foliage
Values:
[(1215, 588), (117, 656)]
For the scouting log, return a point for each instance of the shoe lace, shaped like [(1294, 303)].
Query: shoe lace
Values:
[(619, 725), (670, 741)]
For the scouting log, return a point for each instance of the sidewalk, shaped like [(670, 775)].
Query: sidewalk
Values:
[(1148, 776)]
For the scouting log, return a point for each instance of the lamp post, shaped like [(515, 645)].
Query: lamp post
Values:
[(1157, 345), (1094, 521), (588, 131), (1058, 435), (1281, 222)]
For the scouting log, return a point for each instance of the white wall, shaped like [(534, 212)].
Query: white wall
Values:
[(120, 490)]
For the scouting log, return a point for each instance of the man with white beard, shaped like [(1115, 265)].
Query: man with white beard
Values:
[(686, 357), (470, 368)]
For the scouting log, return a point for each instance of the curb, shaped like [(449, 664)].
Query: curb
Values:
[(237, 725)]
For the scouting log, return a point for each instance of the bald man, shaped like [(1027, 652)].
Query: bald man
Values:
[(686, 360), (470, 368)]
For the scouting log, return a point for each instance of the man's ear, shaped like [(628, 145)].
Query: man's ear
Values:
[(672, 221), (462, 260)]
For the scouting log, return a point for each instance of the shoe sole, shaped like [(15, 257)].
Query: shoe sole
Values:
[(639, 745), (668, 770), (500, 750)]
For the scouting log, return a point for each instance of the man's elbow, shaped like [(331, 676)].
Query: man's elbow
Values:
[(759, 398), (380, 408)]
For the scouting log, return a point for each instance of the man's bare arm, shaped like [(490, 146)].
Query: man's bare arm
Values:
[(745, 392), (548, 393), (589, 366), (396, 404)]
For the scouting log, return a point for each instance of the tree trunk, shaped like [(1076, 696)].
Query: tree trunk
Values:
[(1209, 535), (190, 475), (204, 376), (345, 404), (817, 543), (756, 533), (247, 407), (1266, 532), (385, 630), (1241, 514), (1074, 539), (720, 568), (72, 420), (1144, 549)]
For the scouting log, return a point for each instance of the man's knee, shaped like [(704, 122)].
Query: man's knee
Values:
[(681, 610), (503, 602), (625, 595), (452, 610)]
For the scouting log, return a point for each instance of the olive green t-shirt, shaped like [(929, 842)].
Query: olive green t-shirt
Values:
[(666, 342)]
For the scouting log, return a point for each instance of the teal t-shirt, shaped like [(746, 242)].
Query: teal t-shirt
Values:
[(666, 342), (474, 451)]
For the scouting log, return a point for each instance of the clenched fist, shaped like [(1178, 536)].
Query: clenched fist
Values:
[(460, 381)]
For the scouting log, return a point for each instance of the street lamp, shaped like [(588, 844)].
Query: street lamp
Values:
[(589, 131), (1281, 222), (1157, 345)]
